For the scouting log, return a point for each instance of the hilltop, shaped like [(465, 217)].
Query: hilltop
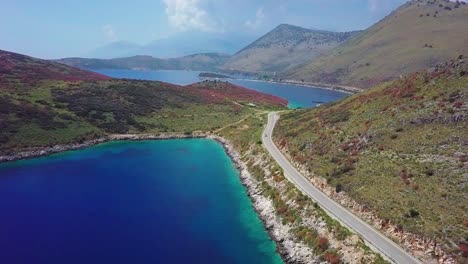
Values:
[(284, 47), (44, 103), (418, 35), (196, 62), (399, 150), (20, 68)]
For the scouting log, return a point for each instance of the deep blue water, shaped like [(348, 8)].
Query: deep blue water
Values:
[(298, 96), (171, 201)]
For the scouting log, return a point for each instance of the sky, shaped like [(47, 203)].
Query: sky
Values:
[(65, 28)]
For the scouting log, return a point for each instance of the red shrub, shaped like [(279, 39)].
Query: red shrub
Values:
[(282, 210), (415, 187), (463, 158), (464, 249), (282, 143), (322, 243), (332, 258), (458, 104), (404, 174)]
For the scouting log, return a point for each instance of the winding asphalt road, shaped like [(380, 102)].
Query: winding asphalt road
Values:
[(373, 237)]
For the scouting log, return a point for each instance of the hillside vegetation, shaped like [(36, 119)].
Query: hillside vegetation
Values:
[(284, 47), (418, 35), (196, 62), (44, 103), (400, 149), (16, 69)]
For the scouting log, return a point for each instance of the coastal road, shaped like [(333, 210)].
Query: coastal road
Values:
[(373, 237)]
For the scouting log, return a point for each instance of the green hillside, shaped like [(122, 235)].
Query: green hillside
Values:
[(416, 36), (44, 103), (399, 148)]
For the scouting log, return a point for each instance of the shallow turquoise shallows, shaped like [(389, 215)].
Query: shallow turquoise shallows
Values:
[(168, 201)]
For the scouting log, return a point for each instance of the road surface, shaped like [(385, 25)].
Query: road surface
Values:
[(373, 237)]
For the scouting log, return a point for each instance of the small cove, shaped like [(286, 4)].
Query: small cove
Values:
[(155, 201)]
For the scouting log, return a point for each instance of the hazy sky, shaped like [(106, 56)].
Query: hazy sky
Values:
[(63, 28)]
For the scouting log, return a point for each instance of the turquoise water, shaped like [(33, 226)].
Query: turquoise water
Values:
[(297, 96), (169, 201)]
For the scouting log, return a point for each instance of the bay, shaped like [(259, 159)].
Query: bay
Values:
[(166, 201), (297, 96)]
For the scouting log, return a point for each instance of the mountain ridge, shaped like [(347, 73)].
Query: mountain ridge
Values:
[(415, 36), (284, 47), (177, 45), (201, 62)]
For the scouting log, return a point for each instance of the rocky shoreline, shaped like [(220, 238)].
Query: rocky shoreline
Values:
[(38, 152), (289, 250), (332, 87)]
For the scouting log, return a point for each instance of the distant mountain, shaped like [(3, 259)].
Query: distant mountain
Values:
[(175, 46), (115, 50), (199, 62), (192, 43), (417, 35), (284, 47)]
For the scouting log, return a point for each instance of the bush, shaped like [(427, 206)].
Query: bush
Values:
[(346, 168), (3, 139), (337, 116), (338, 188), (412, 213), (464, 249), (332, 258), (322, 243), (429, 171)]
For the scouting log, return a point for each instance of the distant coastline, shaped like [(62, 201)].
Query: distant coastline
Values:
[(333, 87), (213, 75)]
